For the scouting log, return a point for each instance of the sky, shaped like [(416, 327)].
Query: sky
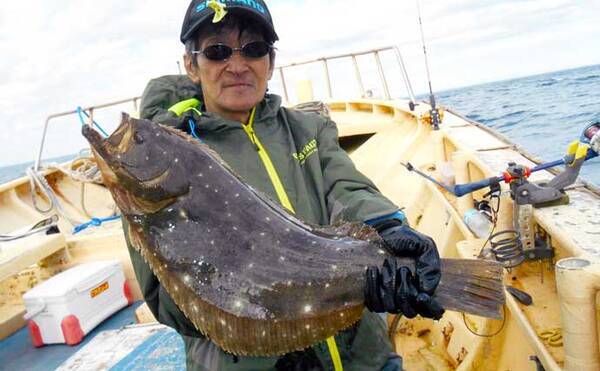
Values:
[(56, 55)]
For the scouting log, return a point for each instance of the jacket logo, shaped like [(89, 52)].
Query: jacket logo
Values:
[(308, 150)]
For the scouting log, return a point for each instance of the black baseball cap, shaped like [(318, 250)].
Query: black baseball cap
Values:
[(199, 12)]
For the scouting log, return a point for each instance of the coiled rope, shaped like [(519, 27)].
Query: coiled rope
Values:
[(86, 172)]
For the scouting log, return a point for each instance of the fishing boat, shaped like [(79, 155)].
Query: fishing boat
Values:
[(422, 157)]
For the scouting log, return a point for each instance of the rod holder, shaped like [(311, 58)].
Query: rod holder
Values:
[(577, 283)]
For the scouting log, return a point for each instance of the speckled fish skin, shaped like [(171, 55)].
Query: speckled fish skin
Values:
[(250, 276)]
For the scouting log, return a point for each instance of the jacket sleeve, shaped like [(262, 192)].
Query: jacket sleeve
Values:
[(162, 93), (159, 302), (350, 195)]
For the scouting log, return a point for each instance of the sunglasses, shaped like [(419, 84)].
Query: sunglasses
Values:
[(222, 52)]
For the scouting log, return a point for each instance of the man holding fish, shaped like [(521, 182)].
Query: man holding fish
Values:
[(294, 158)]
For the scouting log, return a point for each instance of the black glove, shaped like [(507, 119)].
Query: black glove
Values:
[(403, 241), (393, 289)]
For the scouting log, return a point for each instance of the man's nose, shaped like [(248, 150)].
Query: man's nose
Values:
[(237, 63)]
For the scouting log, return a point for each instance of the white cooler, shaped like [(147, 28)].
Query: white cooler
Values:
[(69, 305)]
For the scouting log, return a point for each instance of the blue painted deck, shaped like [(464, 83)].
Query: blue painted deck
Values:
[(18, 353), (156, 353)]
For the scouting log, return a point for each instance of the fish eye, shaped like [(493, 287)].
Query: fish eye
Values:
[(138, 138)]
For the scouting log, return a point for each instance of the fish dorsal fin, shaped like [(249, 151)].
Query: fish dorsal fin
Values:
[(356, 230)]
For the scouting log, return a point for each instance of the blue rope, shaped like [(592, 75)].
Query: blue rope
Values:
[(193, 129), (81, 112), (96, 222)]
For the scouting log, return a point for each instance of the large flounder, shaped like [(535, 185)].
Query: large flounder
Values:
[(250, 276)]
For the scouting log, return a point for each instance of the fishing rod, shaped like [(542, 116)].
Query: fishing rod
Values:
[(435, 114), (579, 151)]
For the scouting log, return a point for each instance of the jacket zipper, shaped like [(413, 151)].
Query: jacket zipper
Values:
[(264, 156), (283, 198)]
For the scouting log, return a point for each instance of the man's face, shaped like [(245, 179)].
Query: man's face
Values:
[(233, 87)]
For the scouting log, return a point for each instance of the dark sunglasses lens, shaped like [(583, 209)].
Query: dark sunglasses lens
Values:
[(257, 49), (217, 52)]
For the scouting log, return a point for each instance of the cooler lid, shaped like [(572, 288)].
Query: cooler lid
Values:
[(73, 278)]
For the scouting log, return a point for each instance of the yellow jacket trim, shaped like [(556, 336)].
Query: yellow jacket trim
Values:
[(184, 106), (285, 201), (264, 156), (335, 354)]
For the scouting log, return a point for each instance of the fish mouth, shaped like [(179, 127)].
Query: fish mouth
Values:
[(126, 188), (107, 149), (95, 140), (121, 139), (101, 153)]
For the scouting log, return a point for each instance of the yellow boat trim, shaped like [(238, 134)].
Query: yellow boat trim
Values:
[(264, 156)]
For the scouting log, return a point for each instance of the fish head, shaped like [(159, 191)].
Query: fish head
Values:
[(139, 165)]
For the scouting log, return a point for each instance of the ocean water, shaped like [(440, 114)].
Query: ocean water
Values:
[(15, 171), (542, 113)]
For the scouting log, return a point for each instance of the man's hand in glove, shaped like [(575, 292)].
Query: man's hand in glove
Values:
[(392, 289), (396, 287)]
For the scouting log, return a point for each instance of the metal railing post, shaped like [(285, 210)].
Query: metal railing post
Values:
[(91, 118), (358, 76), (407, 83), (285, 91), (386, 89), (327, 78), (38, 159)]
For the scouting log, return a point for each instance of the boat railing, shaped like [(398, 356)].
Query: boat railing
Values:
[(89, 111), (376, 53)]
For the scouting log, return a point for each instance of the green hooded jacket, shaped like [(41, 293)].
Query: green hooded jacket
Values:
[(323, 187)]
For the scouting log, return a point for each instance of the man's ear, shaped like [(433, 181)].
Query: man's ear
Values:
[(271, 69), (192, 70)]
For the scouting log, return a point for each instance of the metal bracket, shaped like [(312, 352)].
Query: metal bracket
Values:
[(539, 195), (541, 250), (536, 194)]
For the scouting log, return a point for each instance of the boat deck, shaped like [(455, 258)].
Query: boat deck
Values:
[(17, 352)]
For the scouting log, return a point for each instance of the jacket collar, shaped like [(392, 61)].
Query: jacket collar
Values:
[(265, 111)]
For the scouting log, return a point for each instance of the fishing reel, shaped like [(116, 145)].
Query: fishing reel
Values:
[(528, 241), (524, 192), (552, 193), (433, 117), (591, 136)]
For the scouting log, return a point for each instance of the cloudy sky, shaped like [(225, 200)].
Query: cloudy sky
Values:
[(58, 54)]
